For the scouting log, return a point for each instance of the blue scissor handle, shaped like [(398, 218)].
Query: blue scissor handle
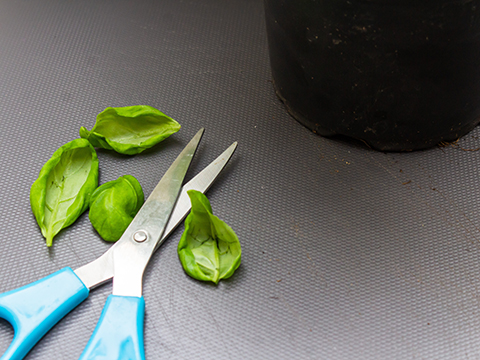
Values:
[(34, 308), (119, 331)]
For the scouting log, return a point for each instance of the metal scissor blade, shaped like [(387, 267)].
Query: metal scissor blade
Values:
[(137, 244), (157, 209), (101, 269)]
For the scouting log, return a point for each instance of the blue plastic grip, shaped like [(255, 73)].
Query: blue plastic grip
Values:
[(119, 331), (33, 309)]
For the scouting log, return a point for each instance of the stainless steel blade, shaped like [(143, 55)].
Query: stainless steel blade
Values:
[(138, 242), (101, 269)]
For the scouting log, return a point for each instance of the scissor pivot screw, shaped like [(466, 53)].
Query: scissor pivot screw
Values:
[(140, 236)]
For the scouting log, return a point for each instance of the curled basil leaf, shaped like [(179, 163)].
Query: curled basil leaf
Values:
[(209, 250), (63, 188), (130, 130), (114, 205)]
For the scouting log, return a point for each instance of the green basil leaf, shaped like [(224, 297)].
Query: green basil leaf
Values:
[(130, 130), (63, 188), (209, 250), (114, 205)]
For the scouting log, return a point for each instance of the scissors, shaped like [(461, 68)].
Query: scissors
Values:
[(35, 308)]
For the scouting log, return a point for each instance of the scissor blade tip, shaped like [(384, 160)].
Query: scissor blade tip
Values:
[(199, 133)]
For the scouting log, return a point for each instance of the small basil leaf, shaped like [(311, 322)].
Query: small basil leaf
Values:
[(130, 130), (63, 188), (114, 205), (209, 250)]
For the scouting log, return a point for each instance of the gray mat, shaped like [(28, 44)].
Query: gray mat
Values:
[(348, 253)]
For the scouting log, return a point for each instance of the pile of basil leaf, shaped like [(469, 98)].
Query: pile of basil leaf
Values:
[(67, 185)]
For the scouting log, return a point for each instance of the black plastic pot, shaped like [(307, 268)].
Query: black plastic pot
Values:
[(397, 74)]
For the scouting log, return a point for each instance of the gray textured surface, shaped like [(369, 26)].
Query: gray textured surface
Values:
[(347, 253)]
